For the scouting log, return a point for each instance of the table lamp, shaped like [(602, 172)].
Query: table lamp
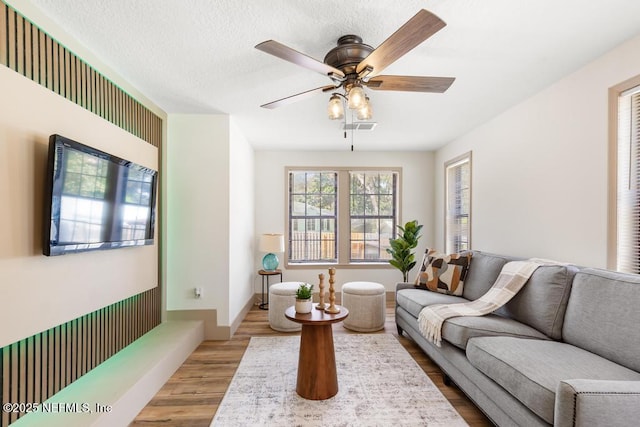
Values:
[(271, 243)]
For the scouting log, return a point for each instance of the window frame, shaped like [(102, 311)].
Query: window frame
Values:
[(457, 161), (343, 223), (612, 215)]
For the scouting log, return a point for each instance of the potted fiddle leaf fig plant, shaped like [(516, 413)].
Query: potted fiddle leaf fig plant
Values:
[(401, 251), (303, 298)]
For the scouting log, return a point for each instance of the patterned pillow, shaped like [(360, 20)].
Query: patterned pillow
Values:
[(443, 273)]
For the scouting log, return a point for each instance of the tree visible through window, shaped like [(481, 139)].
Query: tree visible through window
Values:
[(312, 216), (373, 214), (341, 216)]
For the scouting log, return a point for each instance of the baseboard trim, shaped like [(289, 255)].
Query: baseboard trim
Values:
[(210, 319), (240, 317)]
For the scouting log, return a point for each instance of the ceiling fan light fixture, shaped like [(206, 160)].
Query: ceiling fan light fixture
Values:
[(365, 112), (356, 98), (335, 109)]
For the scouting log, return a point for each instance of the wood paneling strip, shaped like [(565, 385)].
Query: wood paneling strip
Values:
[(31, 52), (12, 46), (39, 366), (4, 36)]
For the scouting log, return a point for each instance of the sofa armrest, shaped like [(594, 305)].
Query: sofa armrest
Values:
[(597, 403), (403, 285)]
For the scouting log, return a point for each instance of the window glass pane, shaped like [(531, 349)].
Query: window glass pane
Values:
[(386, 183), (357, 183), (312, 218), (371, 205), (371, 251), (313, 206), (458, 204), (298, 205), (313, 183), (628, 182), (386, 205), (299, 183), (357, 205), (357, 238), (328, 206), (328, 183), (371, 183), (372, 208)]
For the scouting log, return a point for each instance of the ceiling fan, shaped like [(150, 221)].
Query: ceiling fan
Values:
[(352, 65)]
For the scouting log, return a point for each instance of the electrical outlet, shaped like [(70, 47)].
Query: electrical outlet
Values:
[(197, 292)]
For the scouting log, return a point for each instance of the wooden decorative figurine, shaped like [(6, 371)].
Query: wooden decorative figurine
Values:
[(321, 305), (332, 294)]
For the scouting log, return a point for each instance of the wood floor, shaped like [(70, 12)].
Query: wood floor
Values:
[(192, 395)]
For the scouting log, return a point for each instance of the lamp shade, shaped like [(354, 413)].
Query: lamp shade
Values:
[(356, 97), (271, 243), (365, 112), (335, 109)]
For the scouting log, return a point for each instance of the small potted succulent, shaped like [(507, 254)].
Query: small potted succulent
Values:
[(303, 298)]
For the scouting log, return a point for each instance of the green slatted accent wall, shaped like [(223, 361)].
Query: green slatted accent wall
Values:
[(28, 50), (35, 368)]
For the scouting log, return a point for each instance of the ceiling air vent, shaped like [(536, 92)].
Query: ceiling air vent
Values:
[(359, 126)]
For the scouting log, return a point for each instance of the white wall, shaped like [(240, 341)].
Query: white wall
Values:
[(38, 292), (210, 215), (241, 222), (417, 203), (539, 183), (197, 213)]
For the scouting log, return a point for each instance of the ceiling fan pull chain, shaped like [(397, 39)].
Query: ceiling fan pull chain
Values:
[(352, 130)]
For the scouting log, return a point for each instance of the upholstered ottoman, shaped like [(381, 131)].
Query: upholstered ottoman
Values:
[(366, 304), (281, 296)]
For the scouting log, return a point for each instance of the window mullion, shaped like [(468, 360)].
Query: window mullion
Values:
[(343, 232)]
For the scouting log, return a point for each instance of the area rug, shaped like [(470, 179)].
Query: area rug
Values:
[(379, 385)]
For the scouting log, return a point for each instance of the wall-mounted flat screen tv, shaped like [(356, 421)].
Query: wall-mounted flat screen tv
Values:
[(95, 201)]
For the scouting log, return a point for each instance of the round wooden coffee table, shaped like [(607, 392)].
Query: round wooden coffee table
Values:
[(317, 376)]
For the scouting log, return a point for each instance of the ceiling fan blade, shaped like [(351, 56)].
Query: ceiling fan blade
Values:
[(416, 30), (297, 97), (284, 52), (411, 83)]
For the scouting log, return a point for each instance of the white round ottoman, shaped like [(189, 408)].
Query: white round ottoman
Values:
[(282, 296), (366, 303)]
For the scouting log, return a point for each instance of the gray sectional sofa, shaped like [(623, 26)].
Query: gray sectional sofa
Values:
[(564, 351)]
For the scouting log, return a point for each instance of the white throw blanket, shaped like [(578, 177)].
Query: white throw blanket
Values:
[(512, 278)]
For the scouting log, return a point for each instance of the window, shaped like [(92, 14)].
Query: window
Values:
[(372, 212), (624, 231), (457, 227), (313, 216), (341, 216)]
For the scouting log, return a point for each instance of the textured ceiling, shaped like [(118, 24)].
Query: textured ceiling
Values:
[(198, 56)]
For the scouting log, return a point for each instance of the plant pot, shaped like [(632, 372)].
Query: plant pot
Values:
[(304, 306)]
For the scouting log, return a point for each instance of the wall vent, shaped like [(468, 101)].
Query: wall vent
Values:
[(359, 126)]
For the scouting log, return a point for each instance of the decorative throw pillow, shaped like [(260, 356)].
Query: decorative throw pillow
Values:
[(443, 273)]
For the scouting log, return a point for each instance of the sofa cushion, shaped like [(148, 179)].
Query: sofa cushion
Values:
[(414, 300), (542, 301), (444, 273), (530, 370), (603, 315), (458, 330), (483, 272)]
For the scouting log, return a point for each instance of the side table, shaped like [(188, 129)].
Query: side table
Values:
[(317, 375), (264, 305)]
